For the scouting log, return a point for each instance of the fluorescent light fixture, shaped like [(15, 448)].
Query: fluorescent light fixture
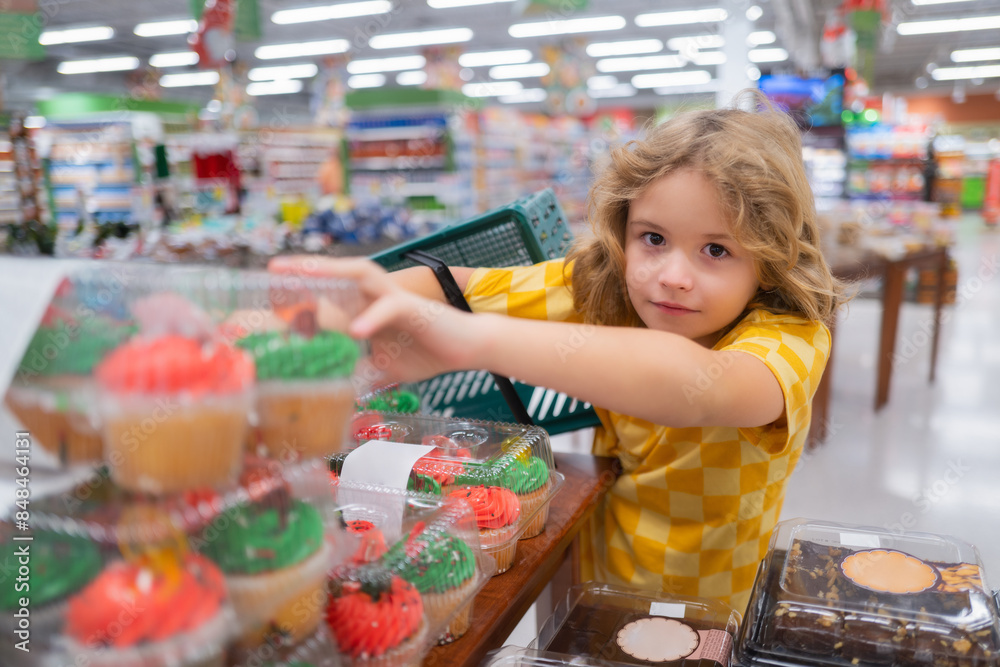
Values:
[(164, 28), (702, 58), (323, 47), (286, 87), (175, 59), (754, 12), (668, 79), (421, 38), (625, 48), (526, 71), (974, 55), (366, 81), (566, 26), (413, 78), (398, 64), (640, 63), (526, 95), (448, 4), (303, 71), (492, 88), (329, 12), (681, 18), (115, 64), (767, 55), (697, 42), (189, 79), (954, 73), (490, 58), (621, 90), (949, 25), (761, 37), (602, 82), (74, 35)]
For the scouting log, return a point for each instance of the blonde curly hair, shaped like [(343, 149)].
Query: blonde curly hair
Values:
[(754, 159)]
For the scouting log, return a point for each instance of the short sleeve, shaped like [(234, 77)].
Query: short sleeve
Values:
[(796, 351), (539, 292)]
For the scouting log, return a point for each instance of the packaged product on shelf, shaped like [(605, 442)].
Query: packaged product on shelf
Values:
[(631, 627), (505, 472), (833, 594)]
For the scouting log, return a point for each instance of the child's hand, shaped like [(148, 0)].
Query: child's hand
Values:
[(412, 338)]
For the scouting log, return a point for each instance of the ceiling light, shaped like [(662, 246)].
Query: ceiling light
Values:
[(421, 38), (754, 12), (366, 81), (667, 79), (566, 26), (303, 71), (753, 73), (640, 63), (489, 58), (621, 90), (519, 71), (602, 82), (761, 37), (329, 12), (492, 88), (948, 25), (74, 35), (117, 64), (526, 95), (175, 59), (397, 64), (681, 18), (626, 48), (767, 55), (448, 4), (189, 79), (272, 51), (286, 87), (973, 55), (697, 42), (953, 73), (164, 28), (414, 78)]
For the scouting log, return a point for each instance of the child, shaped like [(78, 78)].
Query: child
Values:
[(706, 280)]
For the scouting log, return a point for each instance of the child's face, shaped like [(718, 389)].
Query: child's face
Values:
[(685, 272)]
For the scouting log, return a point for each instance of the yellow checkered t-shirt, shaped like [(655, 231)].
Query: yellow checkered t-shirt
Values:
[(694, 508)]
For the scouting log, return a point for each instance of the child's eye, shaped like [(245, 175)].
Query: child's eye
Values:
[(716, 251), (652, 238)]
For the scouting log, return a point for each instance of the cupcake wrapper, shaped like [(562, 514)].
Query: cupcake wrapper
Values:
[(57, 423), (304, 419), (290, 601), (501, 543), (409, 653), (441, 610), (530, 502)]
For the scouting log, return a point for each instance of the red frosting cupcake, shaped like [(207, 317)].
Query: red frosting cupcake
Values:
[(498, 515)]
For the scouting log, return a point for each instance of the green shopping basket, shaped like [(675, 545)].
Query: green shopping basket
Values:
[(530, 230)]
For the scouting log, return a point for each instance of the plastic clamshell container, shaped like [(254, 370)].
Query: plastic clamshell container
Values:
[(405, 550), (624, 626), (505, 471), (515, 656), (837, 594)]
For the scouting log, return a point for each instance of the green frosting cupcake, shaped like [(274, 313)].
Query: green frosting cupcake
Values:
[(524, 478), (72, 348), (278, 356), (60, 565), (436, 563), (255, 540), (405, 402)]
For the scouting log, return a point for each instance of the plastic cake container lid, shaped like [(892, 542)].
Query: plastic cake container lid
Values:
[(837, 594), (625, 626), (515, 656)]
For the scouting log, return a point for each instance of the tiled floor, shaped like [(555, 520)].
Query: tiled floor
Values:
[(929, 460)]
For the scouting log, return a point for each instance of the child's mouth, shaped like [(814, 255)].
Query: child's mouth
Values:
[(673, 308)]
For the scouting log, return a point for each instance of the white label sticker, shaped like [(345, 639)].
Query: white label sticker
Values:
[(668, 609), (859, 540)]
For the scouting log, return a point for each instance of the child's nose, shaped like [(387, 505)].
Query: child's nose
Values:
[(676, 271)]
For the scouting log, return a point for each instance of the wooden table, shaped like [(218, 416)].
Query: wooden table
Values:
[(506, 597), (853, 264)]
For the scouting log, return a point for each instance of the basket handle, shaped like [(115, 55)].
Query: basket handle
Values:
[(457, 299)]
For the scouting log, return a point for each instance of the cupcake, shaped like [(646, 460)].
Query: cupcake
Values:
[(305, 397), (175, 412), (531, 482), (53, 392), (132, 614), (498, 513), (275, 560), (377, 619), (443, 568)]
